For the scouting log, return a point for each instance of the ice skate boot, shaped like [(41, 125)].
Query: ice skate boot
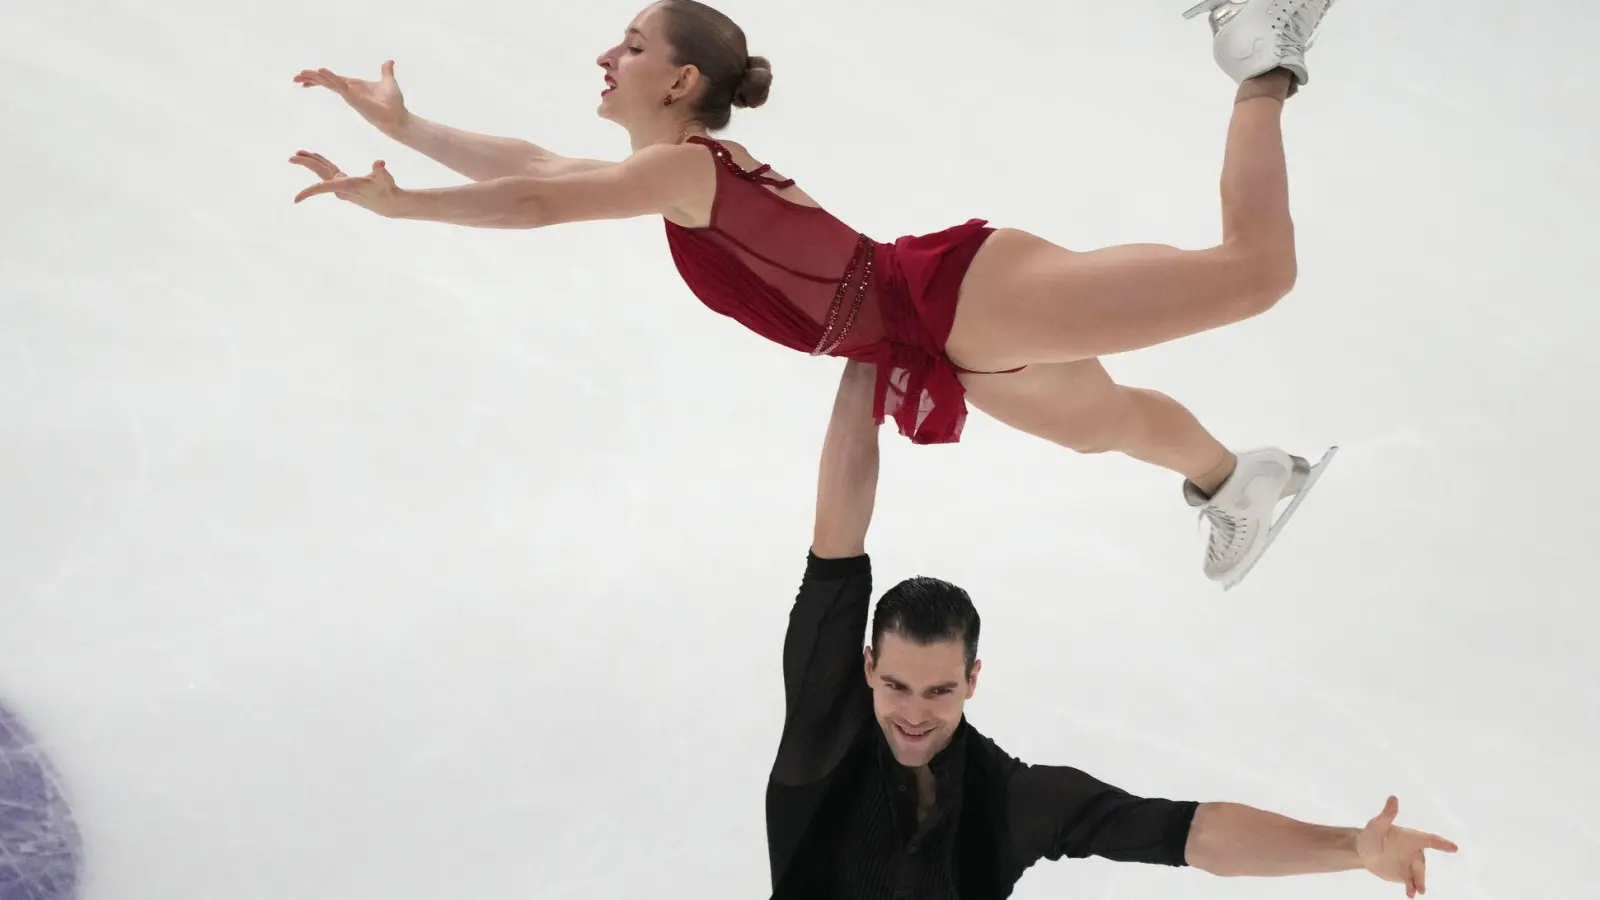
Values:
[(1241, 512), (1254, 37)]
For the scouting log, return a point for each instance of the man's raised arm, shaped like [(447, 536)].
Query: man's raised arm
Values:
[(847, 480)]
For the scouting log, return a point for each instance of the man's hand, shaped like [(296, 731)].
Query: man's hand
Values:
[(1396, 854)]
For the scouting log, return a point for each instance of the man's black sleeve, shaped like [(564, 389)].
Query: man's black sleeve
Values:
[(1057, 811), (825, 688)]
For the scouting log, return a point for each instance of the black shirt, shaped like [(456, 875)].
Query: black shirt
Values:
[(841, 817)]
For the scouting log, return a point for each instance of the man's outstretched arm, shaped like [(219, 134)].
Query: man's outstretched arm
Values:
[(1058, 811), (1236, 840)]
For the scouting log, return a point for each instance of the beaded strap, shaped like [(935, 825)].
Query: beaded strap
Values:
[(863, 257), (727, 160)]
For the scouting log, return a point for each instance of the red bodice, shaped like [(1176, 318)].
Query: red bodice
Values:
[(798, 276)]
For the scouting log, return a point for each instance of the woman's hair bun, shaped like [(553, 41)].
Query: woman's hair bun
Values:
[(752, 90)]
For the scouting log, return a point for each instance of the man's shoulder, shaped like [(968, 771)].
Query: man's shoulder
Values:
[(986, 758), (979, 743)]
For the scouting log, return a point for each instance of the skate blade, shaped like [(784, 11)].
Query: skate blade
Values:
[(1306, 479), (1204, 6)]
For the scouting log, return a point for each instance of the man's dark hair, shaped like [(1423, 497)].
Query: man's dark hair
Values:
[(926, 611)]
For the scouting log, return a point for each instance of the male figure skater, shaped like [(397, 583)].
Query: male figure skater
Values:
[(883, 789)]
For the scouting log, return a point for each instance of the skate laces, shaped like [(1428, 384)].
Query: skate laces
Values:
[(1294, 23), (1229, 533)]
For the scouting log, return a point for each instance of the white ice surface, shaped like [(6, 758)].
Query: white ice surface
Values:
[(353, 558)]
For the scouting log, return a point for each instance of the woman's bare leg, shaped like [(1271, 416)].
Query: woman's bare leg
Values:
[(1078, 406), (1025, 300)]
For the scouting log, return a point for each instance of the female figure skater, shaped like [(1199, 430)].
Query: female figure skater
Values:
[(1005, 318)]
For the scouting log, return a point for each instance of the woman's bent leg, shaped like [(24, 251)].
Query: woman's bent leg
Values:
[(1025, 300)]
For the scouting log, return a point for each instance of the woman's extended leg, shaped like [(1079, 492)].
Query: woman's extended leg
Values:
[(1078, 406), (1026, 300)]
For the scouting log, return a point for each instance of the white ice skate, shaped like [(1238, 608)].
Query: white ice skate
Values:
[(1241, 511), (1254, 37)]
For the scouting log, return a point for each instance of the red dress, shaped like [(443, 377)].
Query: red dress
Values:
[(796, 275)]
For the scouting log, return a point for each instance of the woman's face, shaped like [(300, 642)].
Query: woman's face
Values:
[(639, 73)]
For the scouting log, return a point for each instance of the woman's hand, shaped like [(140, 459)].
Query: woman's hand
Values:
[(379, 102), (375, 191)]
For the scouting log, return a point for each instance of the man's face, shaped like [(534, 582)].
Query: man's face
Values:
[(918, 694)]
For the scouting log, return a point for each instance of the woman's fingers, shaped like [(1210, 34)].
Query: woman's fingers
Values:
[(332, 185), (317, 163)]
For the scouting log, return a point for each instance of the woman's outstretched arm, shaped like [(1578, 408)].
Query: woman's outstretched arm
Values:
[(657, 180), (480, 157), (483, 157), (653, 181)]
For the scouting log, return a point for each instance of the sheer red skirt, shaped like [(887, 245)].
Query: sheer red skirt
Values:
[(920, 278)]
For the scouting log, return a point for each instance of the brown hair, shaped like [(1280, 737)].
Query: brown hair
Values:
[(711, 42)]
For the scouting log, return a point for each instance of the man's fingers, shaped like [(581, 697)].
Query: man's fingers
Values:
[(1443, 845), (1391, 809)]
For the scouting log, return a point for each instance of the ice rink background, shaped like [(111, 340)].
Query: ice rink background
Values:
[(345, 557)]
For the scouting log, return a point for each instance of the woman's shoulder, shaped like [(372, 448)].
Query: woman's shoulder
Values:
[(737, 152)]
